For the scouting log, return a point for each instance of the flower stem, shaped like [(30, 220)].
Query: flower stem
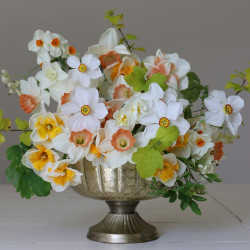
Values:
[(126, 41), (244, 81)]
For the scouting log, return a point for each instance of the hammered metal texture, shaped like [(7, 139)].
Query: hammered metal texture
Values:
[(120, 184)]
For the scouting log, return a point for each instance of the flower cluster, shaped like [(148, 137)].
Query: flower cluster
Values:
[(114, 108)]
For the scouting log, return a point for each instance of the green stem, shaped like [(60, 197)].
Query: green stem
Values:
[(126, 41), (244, 81), (25, 76)]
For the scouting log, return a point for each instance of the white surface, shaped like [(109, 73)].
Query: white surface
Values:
[(61, 221)]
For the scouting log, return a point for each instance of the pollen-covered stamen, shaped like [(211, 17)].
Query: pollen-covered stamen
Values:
[(28, 102), (200, 142), (122, 92), (228, 109), (81, 138), (71, 50), (49, 126), (85, 110), (122, 140), (164, 122), (39, 43), (55, 42), (82, 68), (44, 156)]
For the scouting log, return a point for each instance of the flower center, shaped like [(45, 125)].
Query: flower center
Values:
[(55, 42), (123, 143), (85, 110), (200, 143), (164, 122), (81, 138), (39, 43), (122, 140), (49, 126), (167, 173), (44, 156), (228, 109), (51, 74), (82, 68), (71, 50)]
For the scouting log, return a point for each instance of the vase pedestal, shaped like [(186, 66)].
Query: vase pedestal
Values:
[(122, 225)]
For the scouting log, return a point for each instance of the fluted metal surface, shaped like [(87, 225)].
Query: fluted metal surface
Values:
[(120, 184)]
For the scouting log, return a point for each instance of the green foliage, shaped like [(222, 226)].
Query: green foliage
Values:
[(25, 138), (149, 158), (131, 36), (195, 89), (113, 19), (2, 138), (23, 178), (22, 124), (137, 79)]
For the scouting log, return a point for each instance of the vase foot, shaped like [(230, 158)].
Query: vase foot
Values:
[(122, 225)]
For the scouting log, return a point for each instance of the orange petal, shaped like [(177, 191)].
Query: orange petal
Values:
[(28, 103)]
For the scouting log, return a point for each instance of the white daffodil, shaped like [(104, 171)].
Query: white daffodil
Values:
[(38, 43), (84, 70), (170, 65), (108, 49), (172, 168), (164, 115), (69, 51), (85, 109), (200, 144), (33, 98), (37, 158), (46, 126), (51, 73), (222, 109), (56, 44), (119, 144), (74, 144), (60, 175)]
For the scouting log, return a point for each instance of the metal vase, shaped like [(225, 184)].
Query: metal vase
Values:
[(122, 189)]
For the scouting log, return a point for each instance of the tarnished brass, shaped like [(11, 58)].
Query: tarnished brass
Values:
[(122, 189)]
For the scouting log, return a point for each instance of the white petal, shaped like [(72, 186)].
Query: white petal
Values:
[(84, 80), (121, 49), (233, 122), (174, 109), (91, 123), (73, 62), (97, 49), (149, 119), (94, 74), (99, 110), (70, 108), (214, 105), (76, 122), (183, 83), (160, 108), (215, 119), (105, 146), (90, 61), (140, 140), (155, 92), (182, 168), (109, 38), (182, 124), (182, 67), (151, 130), (236, 102)]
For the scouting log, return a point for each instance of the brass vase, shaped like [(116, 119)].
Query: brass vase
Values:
[(122, 189)]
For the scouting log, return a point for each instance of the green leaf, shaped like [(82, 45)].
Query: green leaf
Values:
[(22, 124), (173, 197), (247, 72), (147, 160), (199, 198), (157, 78), (120, 26), (187, 112), (6, 124), (165, 137), (24, 179), (131, 37), (233, 85), (195, 208), (193, 91), (184, 205), (136, 79), (140, 49), (25, 138), (2, 138)]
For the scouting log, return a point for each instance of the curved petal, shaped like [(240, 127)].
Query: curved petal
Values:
[(76, 122), (109, 38), (182, 67), (183, 83), (70, 108), (73, 62), (155, 92), (99, 111), (151, 130), (182, 124), (94, 73), (182, 168), (214, 105), (174, 109), (91, 123), (97, 49), (233, 122), (84, 80), (121, 49), (160, 108), (90, 61), (215, 119), (140, 140), (236, 102), (149, 119)]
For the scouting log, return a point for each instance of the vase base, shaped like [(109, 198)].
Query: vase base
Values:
[(122, 228)]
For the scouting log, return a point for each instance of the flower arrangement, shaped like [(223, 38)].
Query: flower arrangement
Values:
[(113, 108)]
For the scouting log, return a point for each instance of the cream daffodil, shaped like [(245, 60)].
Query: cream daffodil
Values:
[(50, 74), (84, 70), (86, 110), (164, 115), (119, 144), (222, 109), (170, 65), (60, 175), (37, 158), (33, 97), (38, 43), (108, 49), (75, 144), (200, 144), (46, 126), (172, 168)]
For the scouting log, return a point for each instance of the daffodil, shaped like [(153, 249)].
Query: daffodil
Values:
[(172, 168), (85, 110), (164, 115), (37, 158), (170, 65), (38, 43), (60, 175), (119, 144), (75, 144), (46, 126), (108, 50), (33, 97), (50, 74), (84, 70), (222, 109)]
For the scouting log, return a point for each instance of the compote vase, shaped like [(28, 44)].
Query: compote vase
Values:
[(122, 189)]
